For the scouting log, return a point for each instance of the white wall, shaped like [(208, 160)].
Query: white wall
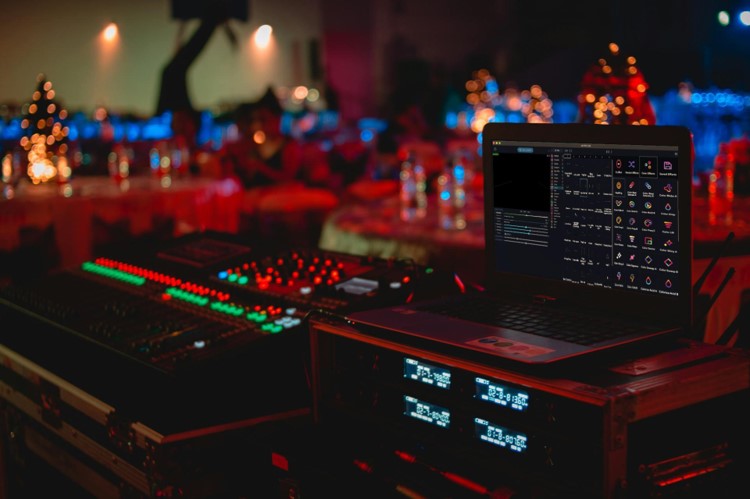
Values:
[(62, 40)]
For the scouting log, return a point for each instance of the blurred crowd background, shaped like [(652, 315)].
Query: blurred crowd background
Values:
[(355, 80)]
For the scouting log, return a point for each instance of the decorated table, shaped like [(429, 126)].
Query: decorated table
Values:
[(80, 214), (374, 227)]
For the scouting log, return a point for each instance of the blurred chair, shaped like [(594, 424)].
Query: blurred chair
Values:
[(113, 237), (348, 161), (36, 256), (291, 214)]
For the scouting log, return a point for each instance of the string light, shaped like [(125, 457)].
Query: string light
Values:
[(300, 93), (614, 92), (44, 135), (533, 104), (40, 167)]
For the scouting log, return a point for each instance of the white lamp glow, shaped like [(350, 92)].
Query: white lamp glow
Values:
[(262, 36), (110, 32)]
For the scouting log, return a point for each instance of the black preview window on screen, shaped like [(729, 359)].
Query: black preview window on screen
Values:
[(601, 215)]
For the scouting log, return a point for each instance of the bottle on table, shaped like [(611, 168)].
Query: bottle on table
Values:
[(413, 195), (11, 171), (721, 187), (452, 194)]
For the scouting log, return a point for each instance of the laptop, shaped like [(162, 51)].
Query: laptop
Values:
[(587, 243)]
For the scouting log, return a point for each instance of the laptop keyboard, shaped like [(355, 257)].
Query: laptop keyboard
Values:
[(536, 319)]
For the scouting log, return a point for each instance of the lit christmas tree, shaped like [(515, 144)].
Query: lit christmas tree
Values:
[(45, 135), (613, 92)]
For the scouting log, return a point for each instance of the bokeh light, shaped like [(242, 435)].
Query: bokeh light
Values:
[(110, 32), (262, 37)]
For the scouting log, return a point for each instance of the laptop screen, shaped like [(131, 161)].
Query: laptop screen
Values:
[(594, 215)]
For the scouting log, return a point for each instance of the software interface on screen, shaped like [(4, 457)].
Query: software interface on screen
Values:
[(596, 214)]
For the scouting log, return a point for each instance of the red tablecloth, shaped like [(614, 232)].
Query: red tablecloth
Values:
[(73, 210)]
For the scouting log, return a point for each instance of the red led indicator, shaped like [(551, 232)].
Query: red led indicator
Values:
[(363, 466), (280, 461)]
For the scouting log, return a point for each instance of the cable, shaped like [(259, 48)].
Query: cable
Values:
[(699, 283), (729, 331), (700, 326)]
